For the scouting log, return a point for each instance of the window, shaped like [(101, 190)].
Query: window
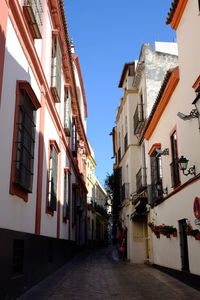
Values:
[(66, 194), (155, 194), (199, 4), (156, 169), (23, 141), (56, 67), (67, 112), (53, 174), (33, 14), (174, 164), (74, 137)]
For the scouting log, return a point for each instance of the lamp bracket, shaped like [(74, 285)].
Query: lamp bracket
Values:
[(191, 171), (193, 114)]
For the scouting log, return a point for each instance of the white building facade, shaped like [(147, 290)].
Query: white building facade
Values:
[(43, 156)]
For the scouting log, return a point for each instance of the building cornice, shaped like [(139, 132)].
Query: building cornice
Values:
[(176, 12)]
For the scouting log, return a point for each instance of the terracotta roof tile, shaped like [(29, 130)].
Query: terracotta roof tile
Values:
[(172, 11)]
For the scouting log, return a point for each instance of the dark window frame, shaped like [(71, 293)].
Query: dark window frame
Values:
[(175, 172), (56, 66), (20, 151), (67, 194), (52, 177)]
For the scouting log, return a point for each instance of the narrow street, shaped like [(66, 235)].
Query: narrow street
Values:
[(99, 274)]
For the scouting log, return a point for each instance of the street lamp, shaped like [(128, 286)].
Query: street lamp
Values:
[(183, 163)]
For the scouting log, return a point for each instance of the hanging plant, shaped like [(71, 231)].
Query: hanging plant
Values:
[(190, 231), (166, 230)]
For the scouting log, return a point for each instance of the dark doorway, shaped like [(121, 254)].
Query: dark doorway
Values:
[(184, 246)]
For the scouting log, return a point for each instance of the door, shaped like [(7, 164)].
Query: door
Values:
[(184, 246)]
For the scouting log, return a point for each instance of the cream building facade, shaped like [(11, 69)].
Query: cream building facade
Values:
[(174, 125), (140, 82)]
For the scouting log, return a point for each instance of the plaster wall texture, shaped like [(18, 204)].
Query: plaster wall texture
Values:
[(189, 44), (156, 66), (166, 252), (14, 209)]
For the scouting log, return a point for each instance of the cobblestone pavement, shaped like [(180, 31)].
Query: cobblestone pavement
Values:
[(99, 274)]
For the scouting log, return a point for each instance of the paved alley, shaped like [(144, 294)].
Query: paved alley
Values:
[(99, 275)]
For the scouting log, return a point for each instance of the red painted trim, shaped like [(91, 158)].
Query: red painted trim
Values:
[(178, 14), (3, 31), (196, 83), (14, 189), (153, 147), (165, 98), (40, 167)]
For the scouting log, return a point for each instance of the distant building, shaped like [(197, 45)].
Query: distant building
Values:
[(140, 82)]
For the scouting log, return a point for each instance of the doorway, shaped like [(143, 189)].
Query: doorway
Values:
[(184, 246)]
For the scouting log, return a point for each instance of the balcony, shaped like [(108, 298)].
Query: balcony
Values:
[(175, 173), (125, 142), (141, 180), (125, 191), (154, 196), (33, 14), (138, 119)]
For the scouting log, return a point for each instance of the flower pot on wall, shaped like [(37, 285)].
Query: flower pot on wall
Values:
[(158, 236), (168, 236), (175, 234)]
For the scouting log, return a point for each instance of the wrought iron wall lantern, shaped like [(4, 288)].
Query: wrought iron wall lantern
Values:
[(160, 188), (183, 164)]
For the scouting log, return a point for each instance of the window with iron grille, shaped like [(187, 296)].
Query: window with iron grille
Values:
[(74, 137), (67, 113), (53, 171), (25, 143), (66, 193), (33, 13), (56, 68), (156, 176), (24, 140), (18, 257), (175, 177)]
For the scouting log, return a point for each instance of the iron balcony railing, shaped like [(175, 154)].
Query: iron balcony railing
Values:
[(125, 191), (141, 180), (175, 177), (138, 119)]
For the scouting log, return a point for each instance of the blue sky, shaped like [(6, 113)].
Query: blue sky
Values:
[(106, 35)]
